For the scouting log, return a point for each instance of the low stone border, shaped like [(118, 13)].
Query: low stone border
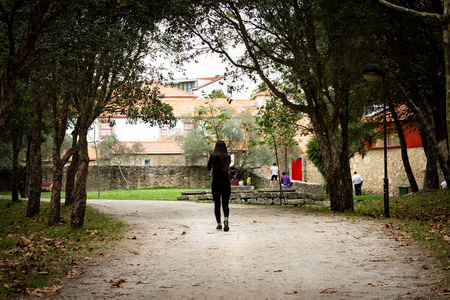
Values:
[(246, 194)]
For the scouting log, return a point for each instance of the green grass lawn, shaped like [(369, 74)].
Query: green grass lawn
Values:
[(160, 193), (34, 255)]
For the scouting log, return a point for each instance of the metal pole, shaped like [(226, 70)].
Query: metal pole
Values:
[(386, 180)]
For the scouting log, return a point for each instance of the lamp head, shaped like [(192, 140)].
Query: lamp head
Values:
[(372, 72)]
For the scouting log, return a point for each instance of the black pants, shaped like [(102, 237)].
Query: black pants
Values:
[(221, 189), (358, 189)]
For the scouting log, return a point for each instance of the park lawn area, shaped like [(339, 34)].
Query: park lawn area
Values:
[(157, 193), (34, 255)]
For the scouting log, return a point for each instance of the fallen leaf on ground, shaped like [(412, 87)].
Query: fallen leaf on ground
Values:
[(133, 238), (329, 291), (144, 282), (45, 291), (292, 292), (278, 271), (376, 284), (122, 293), (117, 283)]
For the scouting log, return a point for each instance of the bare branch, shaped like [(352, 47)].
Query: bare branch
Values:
[(411, 11)]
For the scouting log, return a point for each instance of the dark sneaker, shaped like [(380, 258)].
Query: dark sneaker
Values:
[(226, 228), (219, 227)]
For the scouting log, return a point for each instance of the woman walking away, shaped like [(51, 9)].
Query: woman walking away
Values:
[(218, 162)]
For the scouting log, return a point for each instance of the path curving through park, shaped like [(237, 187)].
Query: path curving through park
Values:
[(174, 252)]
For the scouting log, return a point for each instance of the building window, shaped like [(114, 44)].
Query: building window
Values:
[(186, 86), (105, 129), (164, 131), (147, 162), (188, 127), (392, 140)]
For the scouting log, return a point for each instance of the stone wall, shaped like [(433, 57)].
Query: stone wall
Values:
[(167, 176), (144, 177), (371, 169), (246, 194)]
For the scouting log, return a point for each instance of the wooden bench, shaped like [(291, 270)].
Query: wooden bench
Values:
[(46, 186)]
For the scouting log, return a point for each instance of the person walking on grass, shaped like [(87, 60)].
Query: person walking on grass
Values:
[(218, 162), (274, 178)]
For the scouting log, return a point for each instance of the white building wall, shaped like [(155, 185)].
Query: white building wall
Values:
[(206, 90), (128, 132)]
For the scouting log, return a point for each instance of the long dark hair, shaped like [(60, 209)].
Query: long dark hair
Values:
[(220, 157)]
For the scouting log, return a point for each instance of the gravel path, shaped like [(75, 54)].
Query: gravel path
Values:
[(174, 252)]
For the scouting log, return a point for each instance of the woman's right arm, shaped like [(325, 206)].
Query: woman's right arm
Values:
[(209, 166)]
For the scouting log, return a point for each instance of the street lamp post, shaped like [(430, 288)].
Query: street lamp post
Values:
[(372, 72)]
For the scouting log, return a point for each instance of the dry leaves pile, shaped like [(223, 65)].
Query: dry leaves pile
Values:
[(33, 255)]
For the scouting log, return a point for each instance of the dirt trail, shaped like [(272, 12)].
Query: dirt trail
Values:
[(269, 253)]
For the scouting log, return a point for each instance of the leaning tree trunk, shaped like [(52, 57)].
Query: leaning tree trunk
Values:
[(79, 204), (431, 180), (55, 203), (404, 150), (34, 201), (70, 180), (72, 170)]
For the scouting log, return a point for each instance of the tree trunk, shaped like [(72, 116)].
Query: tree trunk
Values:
[(337, 174), (55, 203), (17, 145), (123, 176), (34, 201), (446, 41), (37, 20), (26, 177), (427, 127), (431, 180), (72, 169), (404, 150), (70, 180), (79, 204)]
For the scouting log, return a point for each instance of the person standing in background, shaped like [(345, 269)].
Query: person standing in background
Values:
[(274, 178), (357, 181)]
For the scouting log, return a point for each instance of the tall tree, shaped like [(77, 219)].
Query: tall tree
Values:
[(313, 47), (97, 50), (440, 12), (22, 22)]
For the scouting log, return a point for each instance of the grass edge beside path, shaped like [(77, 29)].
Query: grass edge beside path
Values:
[(35, 256)]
